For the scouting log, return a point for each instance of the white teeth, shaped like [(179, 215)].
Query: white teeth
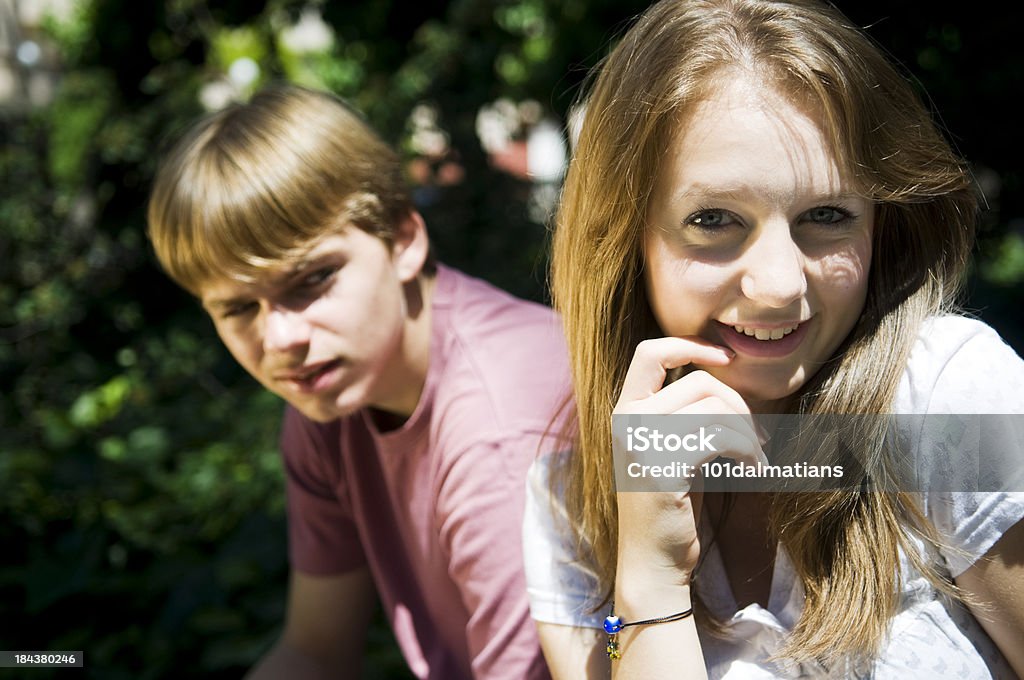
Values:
[(765, 333)]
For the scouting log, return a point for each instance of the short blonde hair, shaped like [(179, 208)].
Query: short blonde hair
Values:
[(255, 184)]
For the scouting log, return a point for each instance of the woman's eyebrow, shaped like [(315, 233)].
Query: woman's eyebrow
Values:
[(708, 191), (738, 192)]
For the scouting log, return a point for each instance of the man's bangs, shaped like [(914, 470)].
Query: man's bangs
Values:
[(254, 185), (229, 230)]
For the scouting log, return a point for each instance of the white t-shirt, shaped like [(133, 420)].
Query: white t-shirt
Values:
[(958, 365)]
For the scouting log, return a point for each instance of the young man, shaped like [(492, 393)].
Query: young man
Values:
[(418, 396)]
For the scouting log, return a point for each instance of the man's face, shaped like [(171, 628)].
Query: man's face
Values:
[(324, 332)]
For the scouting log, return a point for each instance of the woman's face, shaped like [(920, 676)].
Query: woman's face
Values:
[(755, 241)]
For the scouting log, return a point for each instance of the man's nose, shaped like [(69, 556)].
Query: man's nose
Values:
[(285, 330)]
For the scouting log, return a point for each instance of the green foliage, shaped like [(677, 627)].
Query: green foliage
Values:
[(1006, 268), (141, 493)]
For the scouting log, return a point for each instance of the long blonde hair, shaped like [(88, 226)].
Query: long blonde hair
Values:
[(844, 545), (252, 185)]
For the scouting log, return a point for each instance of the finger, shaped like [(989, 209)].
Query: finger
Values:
[(729, 443), (653, 358), (741, 423), (696, 445), (690, 389), (718, 412), (701, 409)]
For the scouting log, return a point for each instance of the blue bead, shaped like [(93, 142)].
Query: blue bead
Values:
[(612, 624)]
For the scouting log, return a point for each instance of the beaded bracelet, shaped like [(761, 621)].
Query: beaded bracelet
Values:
[(613, 624)]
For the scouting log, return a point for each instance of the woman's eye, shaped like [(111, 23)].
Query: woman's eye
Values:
[(710, 219), (826, 214)]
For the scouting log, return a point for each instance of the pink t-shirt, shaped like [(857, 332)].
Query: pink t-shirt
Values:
[(435, 507)]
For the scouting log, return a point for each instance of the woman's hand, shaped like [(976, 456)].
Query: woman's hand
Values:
[(658, 543)]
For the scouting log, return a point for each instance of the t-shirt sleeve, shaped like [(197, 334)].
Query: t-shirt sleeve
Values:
[(561, 588), (479, 517), (322, 537), (983, 376)]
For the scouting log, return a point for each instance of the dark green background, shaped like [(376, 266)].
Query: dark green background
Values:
[(141, 509)]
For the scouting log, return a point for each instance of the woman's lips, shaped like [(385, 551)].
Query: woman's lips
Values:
[(741, 343)]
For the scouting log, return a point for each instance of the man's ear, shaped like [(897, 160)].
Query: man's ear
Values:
[(410, 247)]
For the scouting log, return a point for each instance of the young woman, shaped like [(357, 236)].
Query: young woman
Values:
[(759, 204)]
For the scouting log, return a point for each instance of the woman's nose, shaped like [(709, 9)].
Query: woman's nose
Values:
[(774, 268)]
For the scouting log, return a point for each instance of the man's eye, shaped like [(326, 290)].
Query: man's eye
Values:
[(239, 310), (318, 277), (827, 214)]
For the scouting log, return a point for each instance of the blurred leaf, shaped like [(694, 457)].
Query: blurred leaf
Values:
[(82, 106), (1006, 268)]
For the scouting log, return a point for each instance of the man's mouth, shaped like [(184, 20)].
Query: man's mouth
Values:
[(308, 374)]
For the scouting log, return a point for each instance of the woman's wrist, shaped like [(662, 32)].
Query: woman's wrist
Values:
[(643, 596), (651, 631)]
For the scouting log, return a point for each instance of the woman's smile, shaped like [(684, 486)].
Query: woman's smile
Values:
[(763, 341)]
